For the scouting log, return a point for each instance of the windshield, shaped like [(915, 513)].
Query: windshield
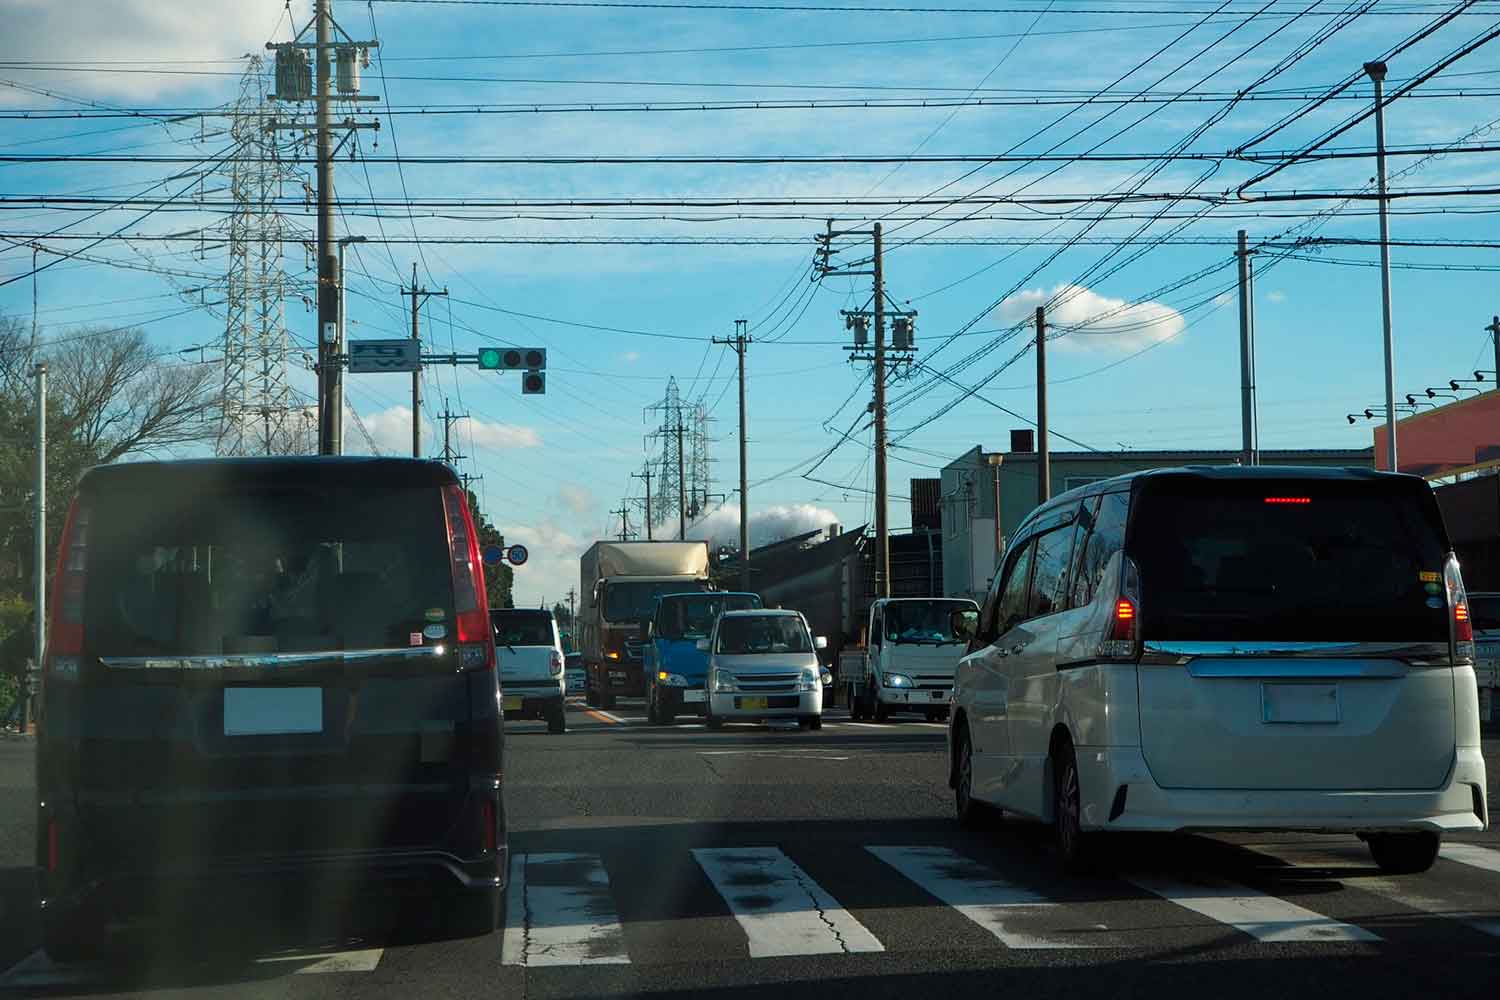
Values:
[(764, 634), (922, 621), (693, 617), (628, 601), (521, 629)]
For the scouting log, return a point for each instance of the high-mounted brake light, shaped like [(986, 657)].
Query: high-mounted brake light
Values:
[(1294, 500), (476, 639)]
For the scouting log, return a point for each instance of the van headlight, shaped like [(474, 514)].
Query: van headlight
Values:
[(898, 681), (808, 681), (825, 676), (723, 681)]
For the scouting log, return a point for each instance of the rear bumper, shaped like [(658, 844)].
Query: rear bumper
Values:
[(536, 700), (1149, 807)]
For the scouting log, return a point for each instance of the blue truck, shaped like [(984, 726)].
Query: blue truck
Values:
[(676, 670)]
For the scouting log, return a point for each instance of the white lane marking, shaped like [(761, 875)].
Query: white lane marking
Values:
[(559, 912), (602, 714), (781, 909), (1263, 917), (1473, 855), (37, 970), (975, 891), (353, 960)]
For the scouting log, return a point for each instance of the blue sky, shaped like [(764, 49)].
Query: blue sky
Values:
[(1145, 376)]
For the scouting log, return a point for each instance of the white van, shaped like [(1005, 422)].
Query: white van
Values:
[(1227, 648)]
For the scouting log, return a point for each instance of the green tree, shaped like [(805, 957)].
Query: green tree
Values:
[(499, 577)]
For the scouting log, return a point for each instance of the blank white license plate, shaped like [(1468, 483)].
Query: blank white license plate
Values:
[(694, 695), (1300, 703), (269, 711)]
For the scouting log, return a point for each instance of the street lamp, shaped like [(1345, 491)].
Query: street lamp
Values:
[(337, 396), (1376, 71)]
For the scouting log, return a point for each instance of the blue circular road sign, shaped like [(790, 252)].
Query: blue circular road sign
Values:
[(493, 554)]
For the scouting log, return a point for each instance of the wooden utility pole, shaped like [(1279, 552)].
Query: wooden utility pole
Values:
[(1494, 329), (418, 296), (882, 516), (623, 511), (1043, 455), (646, 474), (739, 342)]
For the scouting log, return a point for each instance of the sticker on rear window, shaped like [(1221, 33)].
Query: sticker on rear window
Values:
[(415, 638), (1432, 588), (435, 631), (435, 614), (1426, 576), (1434, 602)]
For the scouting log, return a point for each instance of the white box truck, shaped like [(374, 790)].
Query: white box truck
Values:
[(908, 660)]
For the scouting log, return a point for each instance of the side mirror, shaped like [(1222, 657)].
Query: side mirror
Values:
[(702, 645), (964, 623), (821, 642)]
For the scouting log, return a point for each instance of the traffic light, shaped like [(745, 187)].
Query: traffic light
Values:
[(512, 358), (533, 383)]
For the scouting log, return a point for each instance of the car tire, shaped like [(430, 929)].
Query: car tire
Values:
[(606, 700), (882, 712), (472, 914), (665, 716), (856, 714), (557, 719), (74, 938), (590, 693), (972, 814), (1077, 851), (653, 714), (804, 722), (815, 723), (933, 714), (1404, 853), (711, 720)]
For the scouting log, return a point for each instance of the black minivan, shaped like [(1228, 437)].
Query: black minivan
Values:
[(268, 671)]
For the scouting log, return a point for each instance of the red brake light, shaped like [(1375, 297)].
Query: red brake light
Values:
[(476, 640), (1124, 627), (65, 637), (1458, 604), (1297, 500)]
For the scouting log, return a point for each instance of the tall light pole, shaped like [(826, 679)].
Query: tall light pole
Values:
[(336, 386), (40, 640), (1376, 71)]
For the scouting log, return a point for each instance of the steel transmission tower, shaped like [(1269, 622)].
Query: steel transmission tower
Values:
[(699, 473), (668, 441), (260, 414)]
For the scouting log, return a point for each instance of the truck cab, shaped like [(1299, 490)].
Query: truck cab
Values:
[(910, 658), (675, 668)]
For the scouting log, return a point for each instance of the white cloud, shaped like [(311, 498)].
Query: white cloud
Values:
[(575, 498), (1223, 298), (1113, 324), (391, 430), (630, 357), (1277, 297), (767, 525), (494, 435), (552, 564)]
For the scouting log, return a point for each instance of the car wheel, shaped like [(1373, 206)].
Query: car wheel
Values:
[(1404, 853), (665, 716), (653, 714), (882, 712), (804, 722), (712, 720), (815, 723), (557, 719), (972, 814), (606, 700), (1075, 849), (590, 692)]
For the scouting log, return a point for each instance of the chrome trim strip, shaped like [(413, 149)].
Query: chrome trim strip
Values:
[(272, 660)]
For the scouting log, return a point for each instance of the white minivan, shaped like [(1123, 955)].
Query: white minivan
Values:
[(1227, 648)]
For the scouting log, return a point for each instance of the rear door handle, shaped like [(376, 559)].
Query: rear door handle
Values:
[(1019, 648)]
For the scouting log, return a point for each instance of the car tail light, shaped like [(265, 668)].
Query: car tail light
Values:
[(555, 664), (1458, 611), (65, 636), (1122, 635), (476, 640)]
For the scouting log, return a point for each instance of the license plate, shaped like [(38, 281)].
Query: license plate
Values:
[(1300, 703), (937, 695), (272, 711), (512, 703), (753, 704), (695, 696)]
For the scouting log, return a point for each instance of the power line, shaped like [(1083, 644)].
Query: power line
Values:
[(1403, 9)]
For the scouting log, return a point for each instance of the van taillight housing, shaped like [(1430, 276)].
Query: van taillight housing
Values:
[(1458, 611), (65, 635), (471, 611), (1122, 634)]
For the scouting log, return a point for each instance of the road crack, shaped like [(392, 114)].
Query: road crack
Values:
[(799, 875)]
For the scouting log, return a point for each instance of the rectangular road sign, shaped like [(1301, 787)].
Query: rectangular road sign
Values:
[(383, 356)]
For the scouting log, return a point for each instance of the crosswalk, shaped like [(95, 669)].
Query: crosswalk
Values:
[(755, 901)]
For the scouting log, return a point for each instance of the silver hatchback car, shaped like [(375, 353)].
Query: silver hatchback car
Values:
[(763, 664)]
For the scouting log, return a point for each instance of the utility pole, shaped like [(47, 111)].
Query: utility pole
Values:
[(1043, 452), (882, 525), (449, 419), (681, 485), (624, 523), (292, 85), (572, 611), (40, 641), (1376, 71), (1494, 329), (739, 343), (418, 296), (646, 474), (336, 391), (1247, 356)]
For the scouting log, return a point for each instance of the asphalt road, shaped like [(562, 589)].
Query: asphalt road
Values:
[(761, 862)]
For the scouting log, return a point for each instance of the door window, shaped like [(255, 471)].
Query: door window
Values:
[(1049, 579), (1011, 608), (1106, 536)]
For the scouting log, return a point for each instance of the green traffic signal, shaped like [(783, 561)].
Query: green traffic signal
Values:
[(489, 359)]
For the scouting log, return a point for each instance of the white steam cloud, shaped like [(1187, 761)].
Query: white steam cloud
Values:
[(770, 524)]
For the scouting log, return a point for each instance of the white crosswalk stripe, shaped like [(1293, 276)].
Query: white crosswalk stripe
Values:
[(559, 911), (1472, 855), (999, 906), (1263, 917), (781, 909), (37, 971)]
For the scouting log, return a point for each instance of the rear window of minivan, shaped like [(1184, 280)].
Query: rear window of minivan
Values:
[(521, 629), (265, 570), (1289, 560)]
